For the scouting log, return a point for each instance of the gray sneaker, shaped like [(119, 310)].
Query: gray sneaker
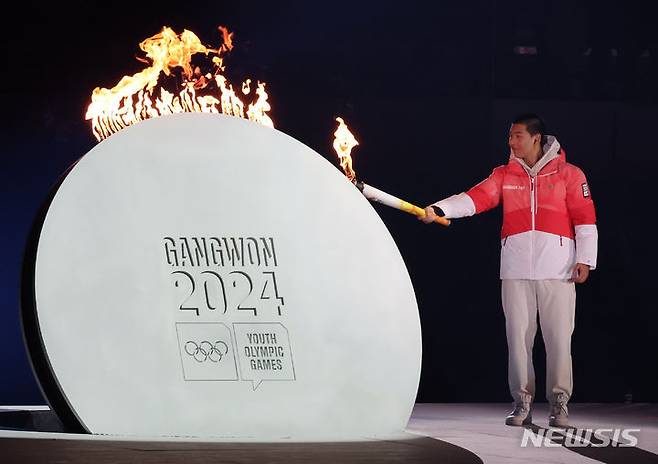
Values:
[(559, 414), (522, 415)]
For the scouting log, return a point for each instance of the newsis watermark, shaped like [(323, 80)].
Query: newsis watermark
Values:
[(579, 438)]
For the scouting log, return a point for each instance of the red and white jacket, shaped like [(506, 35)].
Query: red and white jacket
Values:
[(549, 222)]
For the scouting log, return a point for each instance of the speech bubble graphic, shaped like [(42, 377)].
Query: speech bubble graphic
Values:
[(264, 352)]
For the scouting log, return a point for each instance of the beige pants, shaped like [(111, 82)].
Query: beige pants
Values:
[(555, 301)]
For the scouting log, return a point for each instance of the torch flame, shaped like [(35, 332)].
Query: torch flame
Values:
[(138, 97), (344, 141)]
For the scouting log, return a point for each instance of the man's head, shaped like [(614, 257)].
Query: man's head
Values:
[(526, 135)]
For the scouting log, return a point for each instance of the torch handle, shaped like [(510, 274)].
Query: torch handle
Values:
[(443, 221)]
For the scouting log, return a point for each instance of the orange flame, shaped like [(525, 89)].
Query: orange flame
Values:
[(227, 37), (138, 97), (344, 141)]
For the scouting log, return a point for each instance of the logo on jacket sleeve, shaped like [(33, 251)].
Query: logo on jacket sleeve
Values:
[(585, 190)]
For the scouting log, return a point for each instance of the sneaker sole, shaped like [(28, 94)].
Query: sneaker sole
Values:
[(512, 423)]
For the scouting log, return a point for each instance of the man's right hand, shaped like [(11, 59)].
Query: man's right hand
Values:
[(430, 215)]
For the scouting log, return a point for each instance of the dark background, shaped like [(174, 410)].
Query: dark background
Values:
[(429, 92)]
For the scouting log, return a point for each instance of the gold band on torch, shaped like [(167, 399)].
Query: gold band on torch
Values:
[(420, 212)]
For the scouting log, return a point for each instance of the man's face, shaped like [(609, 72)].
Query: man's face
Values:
[(521, 142)]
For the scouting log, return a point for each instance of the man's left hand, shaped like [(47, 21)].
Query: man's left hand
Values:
[(580, 273)]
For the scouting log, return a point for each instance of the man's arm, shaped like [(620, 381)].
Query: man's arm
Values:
[(583, 216), (482, 197)]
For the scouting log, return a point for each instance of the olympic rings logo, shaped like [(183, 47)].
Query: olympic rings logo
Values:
[(206, 351)]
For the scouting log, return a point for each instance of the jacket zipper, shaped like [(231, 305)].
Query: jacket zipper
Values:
[(533, 208), (532, 200), (532, 234)]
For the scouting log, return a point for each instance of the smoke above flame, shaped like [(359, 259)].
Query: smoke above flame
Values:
[(142, 96), (344, 141)]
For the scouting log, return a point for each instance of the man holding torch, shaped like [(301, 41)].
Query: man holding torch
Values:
[(548, 244)]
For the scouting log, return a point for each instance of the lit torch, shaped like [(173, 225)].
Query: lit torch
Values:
[(344, 141)]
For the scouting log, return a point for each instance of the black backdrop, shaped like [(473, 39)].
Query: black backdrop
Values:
[(429, 91)]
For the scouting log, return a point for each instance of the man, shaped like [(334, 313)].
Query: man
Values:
[(549, 243)]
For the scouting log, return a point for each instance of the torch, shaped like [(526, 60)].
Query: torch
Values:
[(344, 141)]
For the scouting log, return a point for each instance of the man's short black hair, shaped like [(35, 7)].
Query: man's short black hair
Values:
[(533, 123)]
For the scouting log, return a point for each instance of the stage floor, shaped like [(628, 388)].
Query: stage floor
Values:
[(450, 433)]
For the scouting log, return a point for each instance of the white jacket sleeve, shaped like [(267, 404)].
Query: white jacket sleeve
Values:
[(587, 237), (457, 206)]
